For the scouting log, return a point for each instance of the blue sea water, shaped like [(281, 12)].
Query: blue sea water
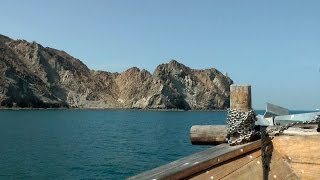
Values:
[(94, 144)]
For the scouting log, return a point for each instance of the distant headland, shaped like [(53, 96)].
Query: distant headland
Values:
[(33, 76)]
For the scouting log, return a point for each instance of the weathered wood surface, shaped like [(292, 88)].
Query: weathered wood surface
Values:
[(240, 97), (302, 153), (208, 134), (216, 134), (222, 170), (253, 170), (293, 157), (193, 164), (248, 166), (300, 129), (306, 171)]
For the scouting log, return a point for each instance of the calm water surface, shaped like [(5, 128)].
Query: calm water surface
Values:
[(88, 144)]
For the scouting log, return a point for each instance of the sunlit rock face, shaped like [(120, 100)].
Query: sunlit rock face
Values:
[(41, 77)]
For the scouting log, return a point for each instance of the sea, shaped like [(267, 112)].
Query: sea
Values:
[(95, 144)]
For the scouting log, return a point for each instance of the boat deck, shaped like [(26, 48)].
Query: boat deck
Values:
[(295, 155)]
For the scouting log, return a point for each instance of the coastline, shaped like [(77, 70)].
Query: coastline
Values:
[(135, 109), (117, 109)]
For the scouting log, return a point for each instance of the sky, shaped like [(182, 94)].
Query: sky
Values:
[(273, 45)]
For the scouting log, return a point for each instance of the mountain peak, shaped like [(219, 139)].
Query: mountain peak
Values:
[(44, 77), (173, 61), (4, 38)]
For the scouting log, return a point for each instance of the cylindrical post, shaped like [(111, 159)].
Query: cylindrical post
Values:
[(241, 118), (240, 100), (208, 134), (240, 97)]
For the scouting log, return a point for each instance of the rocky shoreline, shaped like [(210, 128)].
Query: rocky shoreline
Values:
[(33, 76), (115, 109)]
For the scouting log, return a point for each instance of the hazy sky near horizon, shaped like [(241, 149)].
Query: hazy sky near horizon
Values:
[(273, 45)]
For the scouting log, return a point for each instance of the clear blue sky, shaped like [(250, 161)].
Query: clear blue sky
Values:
[(274, 45)]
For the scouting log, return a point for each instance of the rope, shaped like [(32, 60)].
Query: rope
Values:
[(266, 151)]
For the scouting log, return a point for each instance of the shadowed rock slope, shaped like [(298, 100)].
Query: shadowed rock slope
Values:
[(41, 77)]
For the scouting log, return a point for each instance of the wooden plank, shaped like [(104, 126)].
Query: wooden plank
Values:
[(208, 134), (179, 162), (291, 176), (302, 130), (306, 171), (193, 164), (299, 149), (224, 169), (302, 153), (299, 129), (279, 169)]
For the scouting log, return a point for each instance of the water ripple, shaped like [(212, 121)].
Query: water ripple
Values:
[(64, 144)]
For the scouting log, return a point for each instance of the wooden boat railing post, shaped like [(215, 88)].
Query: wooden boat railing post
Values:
[(240, 99)]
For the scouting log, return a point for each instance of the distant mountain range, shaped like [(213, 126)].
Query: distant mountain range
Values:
[(41, 77)]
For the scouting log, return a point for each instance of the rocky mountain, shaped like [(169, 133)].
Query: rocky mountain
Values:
[(41, 77)]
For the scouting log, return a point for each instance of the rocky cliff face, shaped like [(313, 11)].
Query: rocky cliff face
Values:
[(34, 76)]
